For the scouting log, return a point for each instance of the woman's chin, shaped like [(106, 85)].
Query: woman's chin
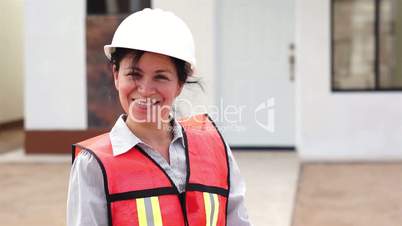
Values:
[(144, 117), (139, 114)]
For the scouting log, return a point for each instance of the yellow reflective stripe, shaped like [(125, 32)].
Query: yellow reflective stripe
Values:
[(207, 203), (216, 209), (142, 215), (156, 210)]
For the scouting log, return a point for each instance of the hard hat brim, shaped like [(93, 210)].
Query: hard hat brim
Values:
[(109, 49)]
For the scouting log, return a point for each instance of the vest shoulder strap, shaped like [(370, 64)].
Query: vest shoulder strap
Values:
[(207, 154), (100, 142), (201, 123)]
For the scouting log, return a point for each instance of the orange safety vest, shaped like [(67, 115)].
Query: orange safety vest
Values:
[(140, 193)]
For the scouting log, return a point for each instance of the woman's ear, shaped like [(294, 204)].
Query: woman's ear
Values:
[(115, 76), (179, 89)]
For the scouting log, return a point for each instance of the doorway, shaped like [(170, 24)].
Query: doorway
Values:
[(255, 72)]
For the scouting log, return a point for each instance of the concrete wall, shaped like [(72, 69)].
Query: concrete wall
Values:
[(11, 60), (55, 81), (338, 126)]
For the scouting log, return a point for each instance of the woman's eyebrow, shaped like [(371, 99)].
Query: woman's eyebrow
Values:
[(163, 70), (129, 68)]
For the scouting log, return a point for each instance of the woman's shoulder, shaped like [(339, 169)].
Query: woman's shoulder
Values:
[(86, 172), (85, 160)]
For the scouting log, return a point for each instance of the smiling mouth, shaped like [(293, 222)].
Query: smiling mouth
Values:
[(147, 102)]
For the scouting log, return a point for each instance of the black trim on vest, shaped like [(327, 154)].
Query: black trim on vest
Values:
[(209, 189), (72, 153), (183, 197), (187, 155), (105, 181), (227, 163), (142, 194), (149, 157)]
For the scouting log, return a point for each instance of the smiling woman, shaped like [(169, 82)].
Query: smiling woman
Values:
[(147, 85), (151, 168)]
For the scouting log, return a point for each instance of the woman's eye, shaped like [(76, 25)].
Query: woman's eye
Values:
[(162, 77)]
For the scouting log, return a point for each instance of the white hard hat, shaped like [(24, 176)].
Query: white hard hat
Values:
[(157, 31)]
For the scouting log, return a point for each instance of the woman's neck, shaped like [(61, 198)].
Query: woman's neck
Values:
[(151, 133)]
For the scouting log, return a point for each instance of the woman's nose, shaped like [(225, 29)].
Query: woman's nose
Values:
[(145, 87)]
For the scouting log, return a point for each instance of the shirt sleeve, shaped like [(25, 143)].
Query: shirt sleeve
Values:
[(237, 212), (86, 202)]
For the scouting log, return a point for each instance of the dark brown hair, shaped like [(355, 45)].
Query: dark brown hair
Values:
[(184, 71)]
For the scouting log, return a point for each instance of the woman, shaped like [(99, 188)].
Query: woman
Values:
[(151, 169)]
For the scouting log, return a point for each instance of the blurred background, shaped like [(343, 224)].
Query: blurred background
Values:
[(306, 92)]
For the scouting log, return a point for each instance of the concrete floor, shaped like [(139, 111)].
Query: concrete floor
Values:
[(33, 194), (356, 194), (34, 188), (271, 179)]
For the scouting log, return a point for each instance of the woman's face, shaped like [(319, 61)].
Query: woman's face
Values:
[(148, 88)]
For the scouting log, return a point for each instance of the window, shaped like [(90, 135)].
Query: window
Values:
[(366, 45), (116, 6)]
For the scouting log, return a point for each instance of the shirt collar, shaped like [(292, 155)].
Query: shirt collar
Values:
[(123, 139)]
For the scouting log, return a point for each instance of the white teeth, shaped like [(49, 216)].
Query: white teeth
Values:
[(145, 102)]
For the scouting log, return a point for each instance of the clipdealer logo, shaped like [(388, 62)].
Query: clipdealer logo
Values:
[(230, 117), (264, 115)]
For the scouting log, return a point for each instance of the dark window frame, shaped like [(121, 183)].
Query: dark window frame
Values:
[(377, 87), (102, 10)]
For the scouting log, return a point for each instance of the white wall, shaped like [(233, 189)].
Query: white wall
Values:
[(338, 126), (55, 76), (200, 17), (11, 60)]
